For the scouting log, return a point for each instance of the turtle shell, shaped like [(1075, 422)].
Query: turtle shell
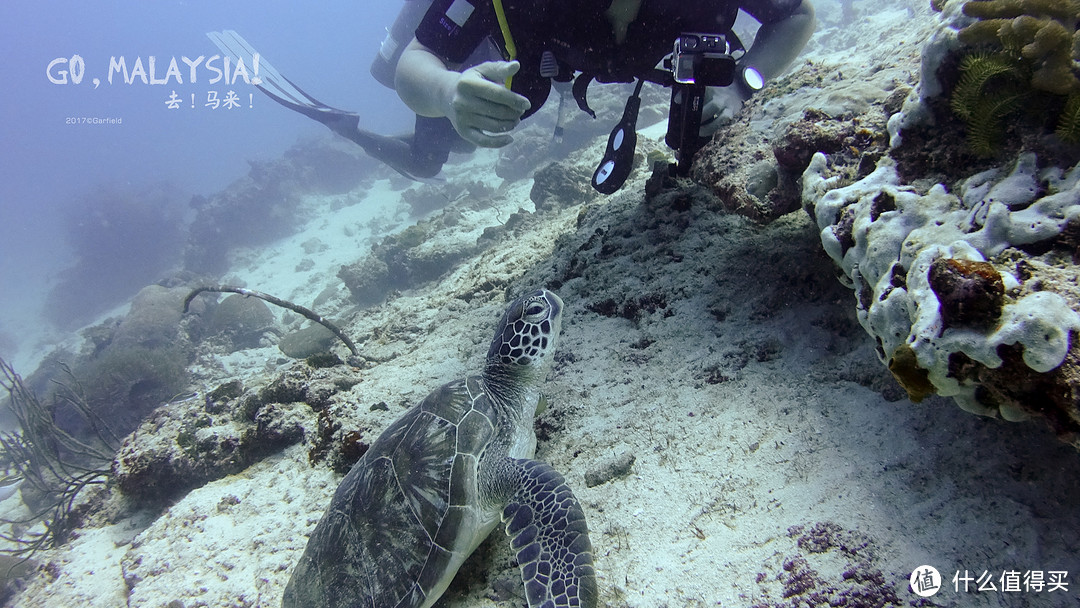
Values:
[(408, 513)]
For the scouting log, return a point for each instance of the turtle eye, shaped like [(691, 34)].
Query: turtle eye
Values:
[(534, 309)]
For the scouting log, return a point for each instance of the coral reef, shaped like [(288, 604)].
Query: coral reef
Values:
[(367, 279), (406, 259), (254, 325), (1041, 32), (241, 320), (153, 320), (335, 446), (753, 166), (129, 366), (306, 342), (265, 205), (968, 286), (329, 165), (559, 185), (425, 198), (185, 444), (991, 87), (936, 278), (971, 293), (1008, 69), (55, 466)]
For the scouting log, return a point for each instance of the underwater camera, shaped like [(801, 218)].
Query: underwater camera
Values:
[(703, 59), (698, 61)]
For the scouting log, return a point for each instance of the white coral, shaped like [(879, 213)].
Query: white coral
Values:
[(905, 240)]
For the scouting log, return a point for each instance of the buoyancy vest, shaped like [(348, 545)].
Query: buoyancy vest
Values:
[(563, 39), (583, 45)]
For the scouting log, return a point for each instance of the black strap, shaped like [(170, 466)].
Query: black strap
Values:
[(581, 90), (658, 76)]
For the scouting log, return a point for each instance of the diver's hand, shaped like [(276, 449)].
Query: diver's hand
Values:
[(481, 108), (720, 107)]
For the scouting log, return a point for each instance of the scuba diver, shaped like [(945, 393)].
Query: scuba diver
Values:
[(471, 70)]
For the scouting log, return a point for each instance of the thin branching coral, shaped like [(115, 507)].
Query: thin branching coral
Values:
[(55, 465)]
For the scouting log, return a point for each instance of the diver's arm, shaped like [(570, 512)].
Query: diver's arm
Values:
[(423, 81), (475, 101), (777, 44)]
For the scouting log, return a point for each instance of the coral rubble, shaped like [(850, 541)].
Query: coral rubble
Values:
[(185, 444)]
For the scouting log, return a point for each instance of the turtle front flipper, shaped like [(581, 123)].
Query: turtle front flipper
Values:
[(547, 528)]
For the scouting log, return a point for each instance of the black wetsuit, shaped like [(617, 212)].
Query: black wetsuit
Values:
[(578, 35)]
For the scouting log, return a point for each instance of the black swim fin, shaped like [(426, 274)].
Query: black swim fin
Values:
[(395, 152)]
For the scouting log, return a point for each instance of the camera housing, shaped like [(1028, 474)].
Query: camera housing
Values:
[(697, 62), (702, 59)]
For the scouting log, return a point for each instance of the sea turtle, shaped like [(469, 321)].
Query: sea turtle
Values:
[(438, 480)]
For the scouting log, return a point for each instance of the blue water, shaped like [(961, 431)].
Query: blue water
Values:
[(50, 158)]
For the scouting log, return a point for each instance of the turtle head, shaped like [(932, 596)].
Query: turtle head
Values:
[(527, 333)]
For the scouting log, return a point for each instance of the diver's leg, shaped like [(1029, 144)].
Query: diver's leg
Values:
[(431, 144)]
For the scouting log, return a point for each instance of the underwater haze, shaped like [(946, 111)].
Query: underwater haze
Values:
[(64, 144)]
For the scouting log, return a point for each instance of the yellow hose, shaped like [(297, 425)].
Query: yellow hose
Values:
[(508, 39)]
